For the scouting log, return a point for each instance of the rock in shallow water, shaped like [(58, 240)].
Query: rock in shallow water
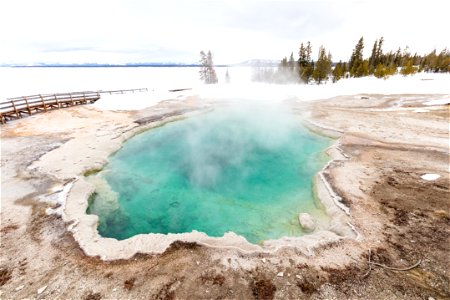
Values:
[(307, 222)]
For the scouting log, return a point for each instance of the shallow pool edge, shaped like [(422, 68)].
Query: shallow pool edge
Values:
[(84, 226)]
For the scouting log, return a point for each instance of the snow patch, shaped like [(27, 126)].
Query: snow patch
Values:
[(158, 81), (59, 196), (444, 101), (138, 100), (430, 176)]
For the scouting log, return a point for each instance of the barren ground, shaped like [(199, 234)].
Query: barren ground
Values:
[(401, 218)]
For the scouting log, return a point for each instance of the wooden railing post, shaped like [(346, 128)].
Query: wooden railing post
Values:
[(43, 102), (28, 106), (57, 101), (15, 109)]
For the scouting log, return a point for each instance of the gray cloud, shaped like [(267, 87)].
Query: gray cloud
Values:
[(234, 30)]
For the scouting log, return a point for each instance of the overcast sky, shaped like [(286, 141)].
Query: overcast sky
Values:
[(120, 31)]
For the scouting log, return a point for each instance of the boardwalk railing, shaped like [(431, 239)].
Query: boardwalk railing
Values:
[(16, 108), (123, 91)]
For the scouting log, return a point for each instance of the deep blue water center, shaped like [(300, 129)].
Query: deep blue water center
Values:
[(243, 170)]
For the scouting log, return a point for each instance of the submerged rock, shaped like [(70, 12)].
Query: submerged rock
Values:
[(307, 222)]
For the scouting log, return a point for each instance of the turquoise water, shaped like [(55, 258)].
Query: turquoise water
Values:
[(246, 171)]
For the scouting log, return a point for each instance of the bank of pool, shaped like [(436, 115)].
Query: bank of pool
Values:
[(248, 171)]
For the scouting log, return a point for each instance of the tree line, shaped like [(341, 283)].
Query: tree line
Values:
[(379, 64)]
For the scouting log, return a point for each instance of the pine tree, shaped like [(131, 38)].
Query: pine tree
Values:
[(323, 66), (363, 69), (207, 71), (416, 59), (338, 71), (405, 57), (227, 77), (203, 67), (380, 71), (398, 58), (345, 69), (291, 62), (408, 67), (211, 70), (376, 58), (444, 61), (373, 58), (379, 55), (305, 63), (284, 65), (429, 60), (391, 70), (434, 62), (285, 72), (356, 60)]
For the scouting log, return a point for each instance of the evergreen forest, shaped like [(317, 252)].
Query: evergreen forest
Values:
[(380, 64)]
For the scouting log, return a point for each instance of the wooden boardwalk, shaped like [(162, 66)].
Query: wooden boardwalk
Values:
[(16, 108)]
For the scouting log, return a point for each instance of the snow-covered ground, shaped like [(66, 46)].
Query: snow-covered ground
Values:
[(27, 81)]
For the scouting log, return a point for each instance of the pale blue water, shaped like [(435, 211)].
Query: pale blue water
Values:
[(222, 171)]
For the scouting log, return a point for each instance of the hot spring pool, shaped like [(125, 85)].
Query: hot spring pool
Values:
[(240, 170)]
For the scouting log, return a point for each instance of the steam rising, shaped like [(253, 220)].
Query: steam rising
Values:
[(245, 167), (235, 133)]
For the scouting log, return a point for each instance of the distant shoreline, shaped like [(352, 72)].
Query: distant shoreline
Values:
[(249, 63), (111, 66)]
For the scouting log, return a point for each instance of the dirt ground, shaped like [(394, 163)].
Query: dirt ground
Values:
[(402, 219)]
